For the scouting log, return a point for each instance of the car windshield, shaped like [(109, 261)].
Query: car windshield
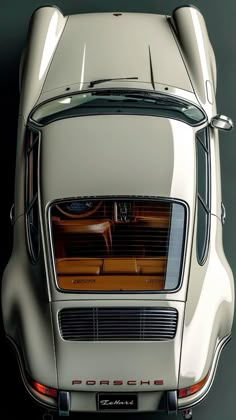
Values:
[(118, 102)]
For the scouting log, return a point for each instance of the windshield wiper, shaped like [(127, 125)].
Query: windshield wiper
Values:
[(96, 82), (136, 94)]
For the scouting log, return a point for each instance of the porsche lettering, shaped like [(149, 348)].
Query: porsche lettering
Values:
[(118, 382)]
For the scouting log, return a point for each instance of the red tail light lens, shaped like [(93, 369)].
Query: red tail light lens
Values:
[(45, 390), (185, 392)]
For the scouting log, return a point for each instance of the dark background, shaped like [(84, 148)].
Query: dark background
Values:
[(220, 20)]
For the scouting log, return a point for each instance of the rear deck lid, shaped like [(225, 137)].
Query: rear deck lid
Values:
[(118, 348)]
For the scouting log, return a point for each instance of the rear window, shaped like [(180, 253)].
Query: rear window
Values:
[(118, 245)]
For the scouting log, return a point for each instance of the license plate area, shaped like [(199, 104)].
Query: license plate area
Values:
[(113, 401)]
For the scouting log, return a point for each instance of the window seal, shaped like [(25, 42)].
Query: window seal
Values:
[(29, 204), (202, 258)]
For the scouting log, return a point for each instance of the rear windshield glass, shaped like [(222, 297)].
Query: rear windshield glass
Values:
[(121, 102), (118, 245)]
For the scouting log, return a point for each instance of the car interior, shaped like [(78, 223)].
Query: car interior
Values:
[(111, 244)]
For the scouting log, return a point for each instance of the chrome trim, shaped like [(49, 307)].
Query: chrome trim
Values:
[(196, 398), (100, 324), (187, 414), (222, 122), (207, 148), (223, 213), (107, 198)]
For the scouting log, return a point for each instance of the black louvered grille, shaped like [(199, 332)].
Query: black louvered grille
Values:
[(118, 324)]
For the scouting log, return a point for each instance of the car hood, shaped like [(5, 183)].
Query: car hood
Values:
[(114, 155), (148, 52), (118, 366)]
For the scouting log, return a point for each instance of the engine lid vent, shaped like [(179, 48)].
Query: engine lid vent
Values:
[(118, 324)]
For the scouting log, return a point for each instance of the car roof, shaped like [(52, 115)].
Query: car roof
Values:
[(118, 155)]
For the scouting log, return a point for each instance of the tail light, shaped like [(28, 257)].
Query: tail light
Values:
[(185, 392), (45, 390)]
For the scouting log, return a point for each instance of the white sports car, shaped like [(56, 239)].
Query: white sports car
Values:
[(118, 296)]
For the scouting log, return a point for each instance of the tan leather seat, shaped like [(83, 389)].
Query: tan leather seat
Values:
[(84, 226)]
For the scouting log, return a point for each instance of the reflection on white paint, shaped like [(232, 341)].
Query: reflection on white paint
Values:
[(82, 69), (65, 101), (50, 43), (184, 177), (198, 334), (201, 44), (209, 92)]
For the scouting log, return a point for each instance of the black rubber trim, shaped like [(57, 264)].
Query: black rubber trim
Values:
[(64, 403), (172, 402)]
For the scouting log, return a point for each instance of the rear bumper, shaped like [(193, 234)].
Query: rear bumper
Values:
[(149, 401), (80, 401)]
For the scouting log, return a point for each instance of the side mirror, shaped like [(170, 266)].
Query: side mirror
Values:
[(221, 122)]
